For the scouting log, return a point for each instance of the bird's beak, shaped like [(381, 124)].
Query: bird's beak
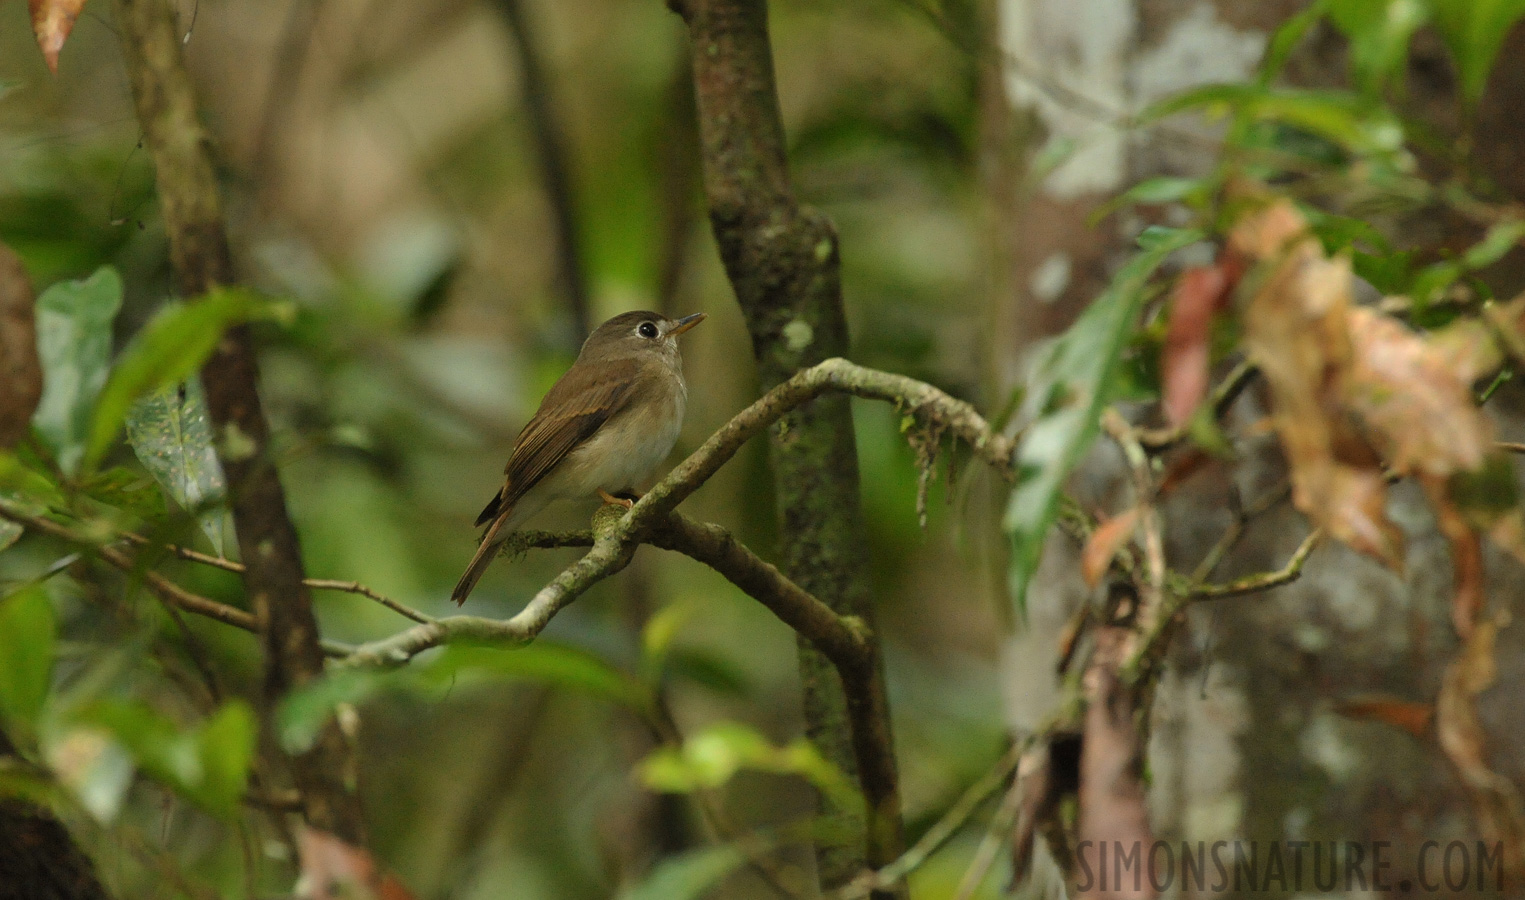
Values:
[(685, 324)]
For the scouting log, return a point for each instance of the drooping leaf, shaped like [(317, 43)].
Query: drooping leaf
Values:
[(52, 20), (74, 342), (169, 349), (1296, 331), (1108, 538), (712, 757), (1379, 33), (28, 634), (688, 876), (1079, 372), (171, 433), (1184, 364), (1474, 30)]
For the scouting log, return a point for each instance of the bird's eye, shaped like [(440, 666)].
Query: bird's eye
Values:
[(646, 330)]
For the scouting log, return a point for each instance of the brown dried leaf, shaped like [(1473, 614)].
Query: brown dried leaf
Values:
[(1466, 556), (1108, 538), (1112, 804), (1508, 322), (1418, 412), (333, 868), (1297, 332), (1468, 347), (1199, 293), (1500, 810), (52, 20), (20, 371), (1415, 718)]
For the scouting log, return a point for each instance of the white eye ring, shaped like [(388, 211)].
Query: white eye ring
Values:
[(646, 330)]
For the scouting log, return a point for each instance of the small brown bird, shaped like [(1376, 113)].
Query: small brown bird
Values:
[(602, 428)]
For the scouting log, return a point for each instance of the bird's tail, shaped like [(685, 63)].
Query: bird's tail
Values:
[(486, 551)]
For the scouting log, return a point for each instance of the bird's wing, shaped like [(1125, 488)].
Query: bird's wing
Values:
[(586, 397)]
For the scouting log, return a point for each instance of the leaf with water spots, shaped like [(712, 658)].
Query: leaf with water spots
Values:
[(171, 434)]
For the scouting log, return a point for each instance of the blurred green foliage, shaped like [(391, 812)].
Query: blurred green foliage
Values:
[(417, 323)]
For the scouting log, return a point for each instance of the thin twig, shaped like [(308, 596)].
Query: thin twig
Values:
[(324, 584), (1262, 581), (161, 587), (1223, 396), (996, 835), (1151, 588), (945, 828)]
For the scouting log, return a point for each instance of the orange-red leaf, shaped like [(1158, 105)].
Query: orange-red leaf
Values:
[(52, 20), (333, 868), (1199, 293), (1108, 538), (1415, 718), (1466, 557), (1459, 729)]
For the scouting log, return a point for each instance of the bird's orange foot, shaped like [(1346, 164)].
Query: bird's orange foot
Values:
[(617, 501)]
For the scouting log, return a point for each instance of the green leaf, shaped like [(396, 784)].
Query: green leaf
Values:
[(1359, 125), (688, 876), (171, 434), (712, 757), (10, 532), (1164, 189), (1474, 30), (1080, 370), (1379, 33), (169, 349), (1500, 239), (657, 637), (28, 635), (305, 711), (74, 346), (226, 749), (208, 763), (1286, 38)]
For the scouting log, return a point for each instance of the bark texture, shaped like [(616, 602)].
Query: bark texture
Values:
[(782, 260), (267, 540)]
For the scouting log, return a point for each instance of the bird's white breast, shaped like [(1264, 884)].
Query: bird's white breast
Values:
[(630, 447)]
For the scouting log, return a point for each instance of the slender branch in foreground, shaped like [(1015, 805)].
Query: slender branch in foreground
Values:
[(1263, 581), (167, 591), (322, 584), (1151, 641)]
